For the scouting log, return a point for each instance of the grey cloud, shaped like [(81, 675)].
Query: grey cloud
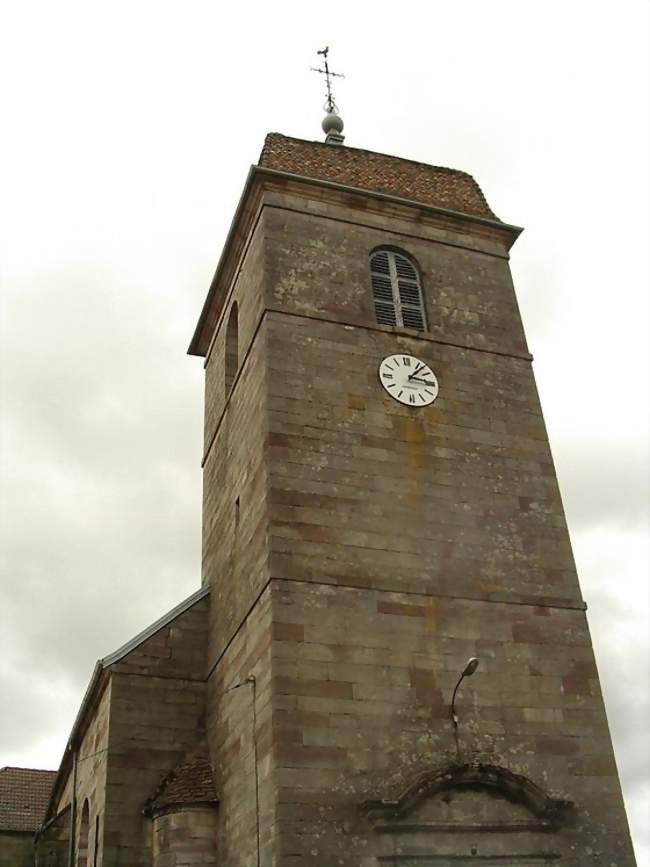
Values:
[(605, 482), (100, 528)]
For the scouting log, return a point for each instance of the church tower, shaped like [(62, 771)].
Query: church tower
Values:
[(380, 507)]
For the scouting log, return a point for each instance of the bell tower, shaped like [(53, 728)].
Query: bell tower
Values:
[(380, 506)]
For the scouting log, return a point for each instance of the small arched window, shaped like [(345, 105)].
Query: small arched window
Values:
[(396, 290), (232, 348), (84, 828)]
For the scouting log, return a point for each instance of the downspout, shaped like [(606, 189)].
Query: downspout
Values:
[(73, 807)]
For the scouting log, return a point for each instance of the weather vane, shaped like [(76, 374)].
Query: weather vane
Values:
[(330, 105)]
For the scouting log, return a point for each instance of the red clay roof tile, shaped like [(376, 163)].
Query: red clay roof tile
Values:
[(24, 793), (190, 783), (429, 185)]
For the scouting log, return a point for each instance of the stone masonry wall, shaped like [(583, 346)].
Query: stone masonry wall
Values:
[(362, 683), (235, 550), (16, 849), (235, 563), (157, 716), (459, 498), (239, 734), (91, 785), (185, 839), (52, 847), (443, 536), (248, 295), (235, 482)]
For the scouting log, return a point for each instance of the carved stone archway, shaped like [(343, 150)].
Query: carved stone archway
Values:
[(483, 813)]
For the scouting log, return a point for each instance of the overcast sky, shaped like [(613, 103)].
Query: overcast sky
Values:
[(128, 129)]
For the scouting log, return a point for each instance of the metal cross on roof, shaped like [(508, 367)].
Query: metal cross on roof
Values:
[(330, 105)]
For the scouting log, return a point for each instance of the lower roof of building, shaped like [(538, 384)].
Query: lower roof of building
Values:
[(24, 794)]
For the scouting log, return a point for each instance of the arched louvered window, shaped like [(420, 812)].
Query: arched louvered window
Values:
[(396, 290)]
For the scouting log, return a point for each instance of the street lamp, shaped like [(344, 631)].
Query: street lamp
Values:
[(470, 668)]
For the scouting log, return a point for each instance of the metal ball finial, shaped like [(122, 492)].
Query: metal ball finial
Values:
[(332, 123)]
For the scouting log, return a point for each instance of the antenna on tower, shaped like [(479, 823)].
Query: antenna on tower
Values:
[(332, 122)]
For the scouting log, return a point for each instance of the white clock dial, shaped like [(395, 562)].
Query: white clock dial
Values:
[(408, 380)]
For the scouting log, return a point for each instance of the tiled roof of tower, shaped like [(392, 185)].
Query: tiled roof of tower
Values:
[(24, 793), (191, 782), (418, 182)]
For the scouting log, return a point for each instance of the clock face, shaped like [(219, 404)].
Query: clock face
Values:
[(408, 380)]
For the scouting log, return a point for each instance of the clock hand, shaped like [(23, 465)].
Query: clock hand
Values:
[(416, 371), (424, 381)]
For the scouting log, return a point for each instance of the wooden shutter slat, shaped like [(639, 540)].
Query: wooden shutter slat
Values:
[(396, 290)]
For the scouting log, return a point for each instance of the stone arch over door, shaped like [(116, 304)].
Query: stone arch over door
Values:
[(468, 814)]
